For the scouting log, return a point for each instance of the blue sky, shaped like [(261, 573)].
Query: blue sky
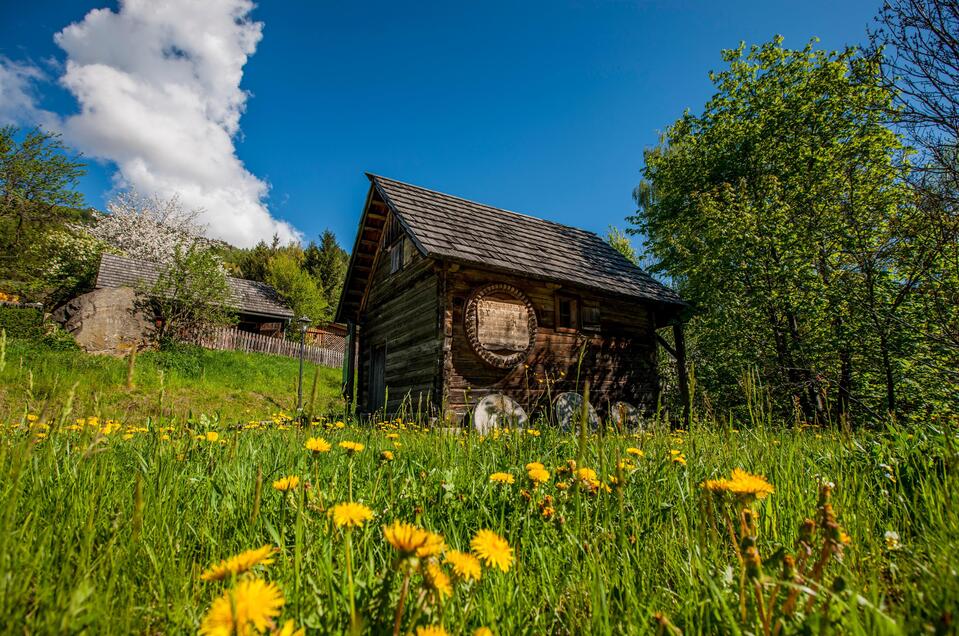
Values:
[(543, 108)]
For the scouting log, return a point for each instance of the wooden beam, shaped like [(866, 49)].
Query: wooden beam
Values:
[(665, 345), (681, 371), (349, 369)]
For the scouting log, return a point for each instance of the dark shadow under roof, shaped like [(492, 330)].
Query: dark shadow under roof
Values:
[(444, 226), (246, 296)]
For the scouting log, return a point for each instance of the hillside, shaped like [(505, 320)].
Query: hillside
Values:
[(234, 386)]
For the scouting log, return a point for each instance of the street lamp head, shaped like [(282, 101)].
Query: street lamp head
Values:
[(304, 322)]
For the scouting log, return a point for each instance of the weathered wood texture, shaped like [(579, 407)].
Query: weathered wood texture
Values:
[(618, 360), (401, 312)]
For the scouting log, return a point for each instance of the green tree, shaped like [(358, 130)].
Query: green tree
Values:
[(621, 243), (778, 213), (327, 263), (191, 296), (38, 180), (285, 272), (253, 263)]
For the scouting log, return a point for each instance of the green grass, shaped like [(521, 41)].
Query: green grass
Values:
[(226, 385), (109, 535)]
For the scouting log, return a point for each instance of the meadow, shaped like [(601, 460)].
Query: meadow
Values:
[(171, 384), (179, 522)]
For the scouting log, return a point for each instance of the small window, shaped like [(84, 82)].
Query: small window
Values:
[(396, 256), (590, 317), (566, 313)]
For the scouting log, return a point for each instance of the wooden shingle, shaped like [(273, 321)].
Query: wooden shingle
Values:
[(448, 227), (246, 296)]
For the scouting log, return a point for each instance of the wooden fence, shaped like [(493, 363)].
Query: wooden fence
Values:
[(229, 339)]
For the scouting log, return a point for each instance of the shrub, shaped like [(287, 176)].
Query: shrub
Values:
[(22, 322)]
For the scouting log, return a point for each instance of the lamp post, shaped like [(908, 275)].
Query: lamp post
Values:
[(304, 323)]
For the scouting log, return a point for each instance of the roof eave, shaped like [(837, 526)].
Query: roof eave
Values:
[(679, 303)]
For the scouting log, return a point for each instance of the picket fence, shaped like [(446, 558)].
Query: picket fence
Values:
[(231, 339)]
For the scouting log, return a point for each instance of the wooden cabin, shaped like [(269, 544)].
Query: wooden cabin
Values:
[(447, 300)]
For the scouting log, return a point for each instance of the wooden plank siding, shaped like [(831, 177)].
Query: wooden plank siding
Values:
[(412, 320), (401, 312), (619, 360)]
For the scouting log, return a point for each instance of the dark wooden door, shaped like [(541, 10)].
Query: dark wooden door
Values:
[(377, 377)]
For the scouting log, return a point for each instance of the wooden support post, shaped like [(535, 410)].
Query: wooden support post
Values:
[(349, 369), (680, 341)]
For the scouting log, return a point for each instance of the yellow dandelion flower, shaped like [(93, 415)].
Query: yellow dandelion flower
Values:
[(586, 474), (532, 432), (317, 445), (352, 447), (635, 452), (679, 459), (433, 545), (351, 515), (289, 629), (212, 436), (501, 478), (438, 581), (742, 485), (465, 566), (745, 484), (534, 466), (239, 563), (674, 452), (251, 605), (287, 483), (562, 485), (387, 456), (392, 436), (431, 630), (482, 631), (493, 549), (405, 537), (538, 476)]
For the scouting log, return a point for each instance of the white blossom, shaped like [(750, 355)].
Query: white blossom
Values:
[(148, 228)]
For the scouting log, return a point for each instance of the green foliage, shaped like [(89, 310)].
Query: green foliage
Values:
[(21, 322), (327, 263), (254, 263), (781, 213), (65, 263), (621, 243), (286, 274), (191, 295), (38, 194)]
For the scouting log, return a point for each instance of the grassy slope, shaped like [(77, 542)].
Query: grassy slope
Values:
[(235, 386), (74, 554)]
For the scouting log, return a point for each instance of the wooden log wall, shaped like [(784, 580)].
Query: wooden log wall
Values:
[(230, 339), (401, 313), (619, 360)]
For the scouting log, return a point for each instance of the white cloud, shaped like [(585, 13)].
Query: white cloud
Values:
[(18, 95), (158, 84)]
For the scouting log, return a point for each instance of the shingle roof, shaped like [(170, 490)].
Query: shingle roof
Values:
[(247, 296), (449, 227)]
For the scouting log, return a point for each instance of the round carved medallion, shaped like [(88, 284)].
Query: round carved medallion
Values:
[(500, 325)]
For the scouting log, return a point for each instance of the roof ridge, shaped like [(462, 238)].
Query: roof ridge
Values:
[(485, 205)]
